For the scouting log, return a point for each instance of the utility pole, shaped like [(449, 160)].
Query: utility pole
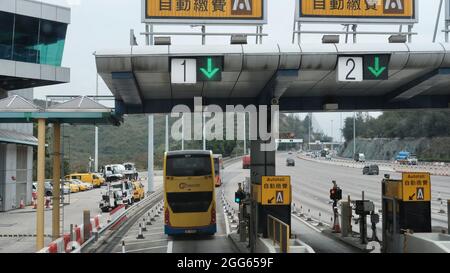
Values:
[(150, 153), (354, 133), (96, 134), (167, 133), (204, 131), (149, 41), (332, 135), (309, 131), (340, 138), (182, 132), (245, 133)]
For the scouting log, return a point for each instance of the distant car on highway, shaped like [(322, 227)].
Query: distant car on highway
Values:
[(360, 157), (412, 160), (371, 170), (328, 157), (290, 162)]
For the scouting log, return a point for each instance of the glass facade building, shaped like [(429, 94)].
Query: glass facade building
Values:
[(32, 40)]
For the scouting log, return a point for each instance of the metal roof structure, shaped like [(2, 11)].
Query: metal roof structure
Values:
[(302, 77), (81, 110), (17, 103), (17, 138)]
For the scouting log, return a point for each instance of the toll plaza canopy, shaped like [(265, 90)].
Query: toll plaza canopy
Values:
[(78, 111), (303, 77)]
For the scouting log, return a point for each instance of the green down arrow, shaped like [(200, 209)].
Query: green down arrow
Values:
[(377, 70), (211, 71)]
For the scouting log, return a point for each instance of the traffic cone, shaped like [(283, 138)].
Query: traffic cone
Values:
[(22, 205), (336, 226), (47, 202)]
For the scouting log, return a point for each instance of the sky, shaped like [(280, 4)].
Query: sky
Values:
[(106, 24)]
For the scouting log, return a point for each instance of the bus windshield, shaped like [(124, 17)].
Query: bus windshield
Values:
[(188, 165)]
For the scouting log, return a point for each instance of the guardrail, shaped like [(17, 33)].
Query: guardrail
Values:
[(278, 232), (440, 169), (118, 218)]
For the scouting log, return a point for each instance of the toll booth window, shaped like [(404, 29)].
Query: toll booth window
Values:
[(6, 37), (195, 165), (26, 37), (51, 42)]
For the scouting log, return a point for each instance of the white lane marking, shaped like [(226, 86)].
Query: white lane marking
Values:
[(227, 227), (170, 247), (143, 249), (135, 242), (308, 224)]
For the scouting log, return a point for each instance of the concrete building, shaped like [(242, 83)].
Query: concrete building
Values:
[(32, 39)]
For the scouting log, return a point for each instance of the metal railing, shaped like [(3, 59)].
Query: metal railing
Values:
[(279, 233)]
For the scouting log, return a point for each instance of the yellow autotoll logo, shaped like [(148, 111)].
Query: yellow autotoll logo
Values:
[(394, 6), (242, 7)]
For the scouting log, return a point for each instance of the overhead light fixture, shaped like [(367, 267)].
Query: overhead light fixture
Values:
[(330, 39), (397, 39), (133, 41), (163, 41), (331, 107), (238, 39)]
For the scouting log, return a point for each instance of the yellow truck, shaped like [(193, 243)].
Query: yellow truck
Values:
[(90, 178)]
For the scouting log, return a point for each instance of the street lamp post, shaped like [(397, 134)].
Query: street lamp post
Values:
[(354, 133)]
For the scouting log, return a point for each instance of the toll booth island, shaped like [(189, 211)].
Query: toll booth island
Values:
[(406, 209)]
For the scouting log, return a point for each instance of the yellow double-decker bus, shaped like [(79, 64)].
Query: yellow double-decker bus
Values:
[(189, 193)]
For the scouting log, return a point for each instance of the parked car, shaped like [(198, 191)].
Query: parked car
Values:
[(88, 186), (73, 187), (290, 162), (80, 184), (371, 170), (64, 188), (48, 191), (91, 178)]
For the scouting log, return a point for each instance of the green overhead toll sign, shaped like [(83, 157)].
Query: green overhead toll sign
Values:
[(209, 69), (376, 67)]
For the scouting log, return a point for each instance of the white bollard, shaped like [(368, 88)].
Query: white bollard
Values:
[(123, 247)]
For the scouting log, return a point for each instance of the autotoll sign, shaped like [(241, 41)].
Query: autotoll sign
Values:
[(357, 11), (205, 11), (276, 190), (416, 187), (363, 68)]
